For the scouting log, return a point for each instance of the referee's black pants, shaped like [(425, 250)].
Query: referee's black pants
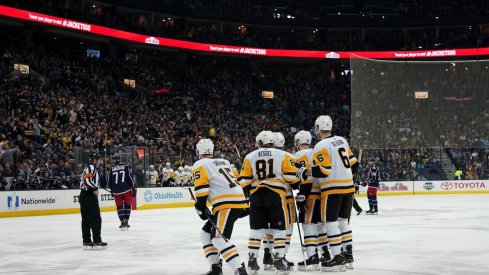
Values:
[(90, 213)]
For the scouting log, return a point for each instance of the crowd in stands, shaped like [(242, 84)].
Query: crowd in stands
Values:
[(208, 31), (71, 103)]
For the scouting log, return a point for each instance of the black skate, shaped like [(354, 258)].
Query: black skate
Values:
[(253, 266), (375, 211), (325, 256), (99, 245), (312, 263), (216, 269), (267, 260), (88, 246), (241, 270), (337, 264), (370, 212), (290, 264), (359, 212), (281, 265), (348, 254), (127, 224)]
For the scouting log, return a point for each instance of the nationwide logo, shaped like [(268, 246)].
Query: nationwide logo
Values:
[(148, 196), (428, 185), (13, 202), (332, 55), (152, 40)]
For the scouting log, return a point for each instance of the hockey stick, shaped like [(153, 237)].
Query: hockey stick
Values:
[(237, 151), (269, 244), (303, 248), (208, 217)]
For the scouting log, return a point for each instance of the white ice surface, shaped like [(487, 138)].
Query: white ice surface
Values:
[(439, 234)]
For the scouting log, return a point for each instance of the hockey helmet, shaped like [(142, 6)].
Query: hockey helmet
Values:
[(204, 147), (264, 138), (279, 140), (302, 137), (323, 123)]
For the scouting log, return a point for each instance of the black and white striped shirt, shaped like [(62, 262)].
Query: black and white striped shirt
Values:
[(89, 179)]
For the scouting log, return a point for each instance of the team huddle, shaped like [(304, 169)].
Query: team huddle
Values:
[(263, 189)]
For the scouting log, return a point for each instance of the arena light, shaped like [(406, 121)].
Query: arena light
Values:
[(267, 94), (421, 95), (40, 18), (22, 68)]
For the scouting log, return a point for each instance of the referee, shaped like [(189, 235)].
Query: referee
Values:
[(90, 211)]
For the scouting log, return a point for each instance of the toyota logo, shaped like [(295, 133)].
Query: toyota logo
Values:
[(446, 185)]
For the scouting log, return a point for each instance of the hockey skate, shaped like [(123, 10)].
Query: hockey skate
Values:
[(312, 263), (88, 246), (253, 266), (348, 254), (359, 212), (241, 270), (290, 264), (281, 265), (325, 256), (127, 224), (337, 264), (216, 269), (99, 245), (123, 227), (268, 260), (370, 212)]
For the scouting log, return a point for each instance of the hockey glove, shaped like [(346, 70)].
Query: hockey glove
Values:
[(301, 173), (301, 203), (203, 214)]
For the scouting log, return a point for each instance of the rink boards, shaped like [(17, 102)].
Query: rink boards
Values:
[(52, 202)]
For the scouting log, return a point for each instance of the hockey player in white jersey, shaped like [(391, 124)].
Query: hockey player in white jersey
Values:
[(179, 176), (215, 183), (264, 176), (309, 204), (279, 143), (334, 162), (167, 172), (187, 176), (151, 176)]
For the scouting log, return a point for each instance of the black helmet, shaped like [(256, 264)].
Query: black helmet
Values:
[(93, 155), (116, 158)]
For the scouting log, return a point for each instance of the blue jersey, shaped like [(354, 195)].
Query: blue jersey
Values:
[(373, 176), (120, 179)]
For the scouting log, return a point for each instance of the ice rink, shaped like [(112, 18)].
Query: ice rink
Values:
[(438, 234)]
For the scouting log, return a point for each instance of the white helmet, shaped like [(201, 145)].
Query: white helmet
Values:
[(180, 169), (151, 167), (279, 140), (205, 147), (167, 165), (302, 137), (265, 137), (186, 167), (323, 123)]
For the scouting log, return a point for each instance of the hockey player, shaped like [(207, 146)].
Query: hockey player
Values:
[(334, 162), (123, 189), (216, 184), (89, 207), (279, 143), (309, 204), (167, 171), (187, 176), (179, 176), (372, 180), (152, 176), (264, 176)]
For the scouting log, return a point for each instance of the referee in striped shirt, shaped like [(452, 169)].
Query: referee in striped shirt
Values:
[(89, 208)]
